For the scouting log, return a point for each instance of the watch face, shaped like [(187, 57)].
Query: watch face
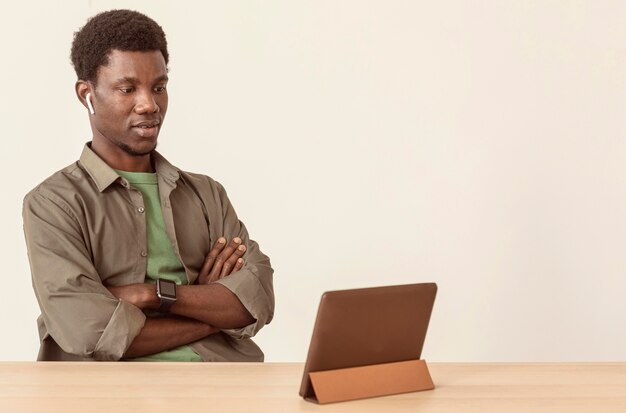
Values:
[(167, 288)]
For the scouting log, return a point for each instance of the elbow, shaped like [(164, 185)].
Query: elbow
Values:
[(246, 318), (239, 318), (77, 349), (248, 327)]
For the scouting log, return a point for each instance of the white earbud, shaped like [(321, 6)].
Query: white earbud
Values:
[(88, 99)]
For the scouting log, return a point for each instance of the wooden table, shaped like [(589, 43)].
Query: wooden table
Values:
[(273, 387)]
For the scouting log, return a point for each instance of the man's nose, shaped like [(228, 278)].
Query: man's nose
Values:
[(146, 103)]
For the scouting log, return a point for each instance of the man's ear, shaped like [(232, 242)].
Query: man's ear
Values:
[(83, 88)]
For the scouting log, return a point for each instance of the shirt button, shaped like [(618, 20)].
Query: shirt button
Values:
[(140, 210), (144, 254)]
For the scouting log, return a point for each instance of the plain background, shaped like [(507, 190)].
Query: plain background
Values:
[(477, 144)]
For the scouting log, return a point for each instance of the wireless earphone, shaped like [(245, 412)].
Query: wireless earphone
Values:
[(88, 99)]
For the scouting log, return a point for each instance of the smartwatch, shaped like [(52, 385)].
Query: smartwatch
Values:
[(166, 291)]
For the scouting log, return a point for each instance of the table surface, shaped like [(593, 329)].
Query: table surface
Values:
[(273, 387)]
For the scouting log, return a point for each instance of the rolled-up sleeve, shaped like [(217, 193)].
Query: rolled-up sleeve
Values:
[(253, 284), (79, 313)]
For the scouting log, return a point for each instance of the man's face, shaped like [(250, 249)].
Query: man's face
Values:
[(130, 101)]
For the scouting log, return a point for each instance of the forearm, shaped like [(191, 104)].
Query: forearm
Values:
[(160, 334), (213, 304)]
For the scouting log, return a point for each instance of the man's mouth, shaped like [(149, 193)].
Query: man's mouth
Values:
[(147, 124), (147, 129)]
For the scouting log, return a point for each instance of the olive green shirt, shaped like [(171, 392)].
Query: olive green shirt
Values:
[(85, 228), (162, 261)]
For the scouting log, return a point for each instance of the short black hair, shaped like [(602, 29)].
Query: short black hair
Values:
[(125, 30)]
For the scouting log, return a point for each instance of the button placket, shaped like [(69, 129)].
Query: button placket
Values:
[(140, 209)]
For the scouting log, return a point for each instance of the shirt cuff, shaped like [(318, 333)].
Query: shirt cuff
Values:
[(248, 289), (125, 324)]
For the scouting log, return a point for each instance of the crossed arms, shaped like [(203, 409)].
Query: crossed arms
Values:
[(200, 310)]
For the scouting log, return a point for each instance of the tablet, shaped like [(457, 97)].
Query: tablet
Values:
[(368, 326)]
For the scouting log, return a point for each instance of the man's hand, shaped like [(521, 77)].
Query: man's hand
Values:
[(222, 260)]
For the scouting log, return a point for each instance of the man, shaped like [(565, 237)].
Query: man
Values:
[(131, 257)]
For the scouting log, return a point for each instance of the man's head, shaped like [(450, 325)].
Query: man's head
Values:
[(120, 58), (125, 30)]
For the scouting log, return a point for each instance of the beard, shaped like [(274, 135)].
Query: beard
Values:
[(132, 152), (117, 139)]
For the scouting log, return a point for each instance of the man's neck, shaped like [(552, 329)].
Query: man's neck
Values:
[(116, 158)]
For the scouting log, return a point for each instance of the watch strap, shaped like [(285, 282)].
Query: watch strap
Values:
[(166, 304)]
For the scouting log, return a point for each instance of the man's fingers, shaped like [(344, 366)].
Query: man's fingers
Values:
[(210, 260), (222, 258), (230, 263), (238, 265)]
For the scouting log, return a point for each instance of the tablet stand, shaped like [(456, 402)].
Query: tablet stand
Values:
[(370, 381)]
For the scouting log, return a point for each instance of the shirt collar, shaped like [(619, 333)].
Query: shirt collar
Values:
[(164, 168), (103, 175)]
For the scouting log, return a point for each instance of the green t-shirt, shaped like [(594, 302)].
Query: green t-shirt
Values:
[(162, 259)]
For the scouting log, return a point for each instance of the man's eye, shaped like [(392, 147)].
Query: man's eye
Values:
[(126, 90), (159, 89)]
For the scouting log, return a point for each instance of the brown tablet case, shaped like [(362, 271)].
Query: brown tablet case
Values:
[(368, 343)]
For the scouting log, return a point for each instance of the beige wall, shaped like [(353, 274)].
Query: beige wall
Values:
[(476, 144)]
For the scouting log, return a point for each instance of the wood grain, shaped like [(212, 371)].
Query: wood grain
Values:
[(273, 387)]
